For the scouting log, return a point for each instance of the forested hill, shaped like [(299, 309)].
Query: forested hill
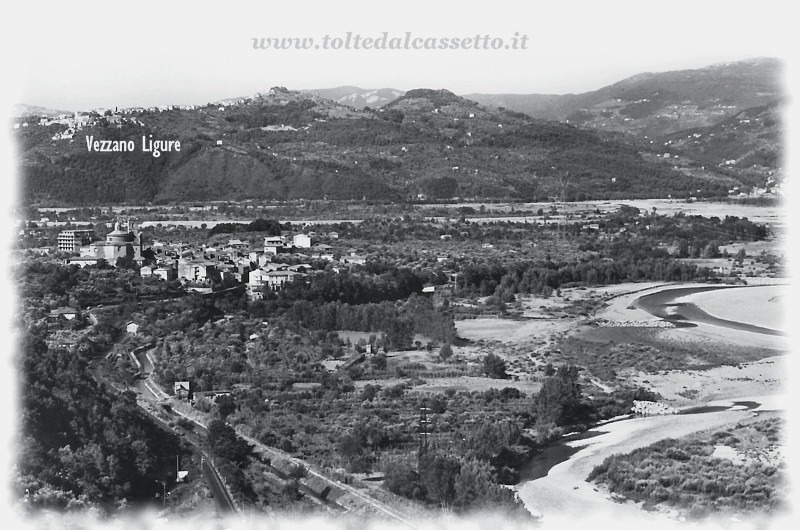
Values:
[(655, 104), (749, 138), (284, 145)]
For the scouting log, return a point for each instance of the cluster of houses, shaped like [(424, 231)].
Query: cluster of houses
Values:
[(236, 262), (204, 265), (77, 121)]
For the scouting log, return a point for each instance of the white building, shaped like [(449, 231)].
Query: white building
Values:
[(166, 273), (302, 241)]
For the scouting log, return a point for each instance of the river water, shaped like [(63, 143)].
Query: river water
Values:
[(662, 304), (539, 466)]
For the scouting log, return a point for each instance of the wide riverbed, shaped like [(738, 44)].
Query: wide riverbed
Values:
[(563, 495)]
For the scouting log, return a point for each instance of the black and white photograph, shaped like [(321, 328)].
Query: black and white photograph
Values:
[(404, 265)]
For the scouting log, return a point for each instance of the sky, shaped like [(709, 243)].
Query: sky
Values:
[(81, 55)]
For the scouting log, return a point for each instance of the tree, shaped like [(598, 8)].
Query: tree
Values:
[(369, 392), (225, 443), (125, 262), (445, 352), (741, 256), (494, 367), (378, 361), (711, 250), (476, 489), (683, 249), (559, 400), (438, 474), (401, 478), (226, 406)]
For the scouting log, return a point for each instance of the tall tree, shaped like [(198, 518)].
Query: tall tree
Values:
[(559, 400)]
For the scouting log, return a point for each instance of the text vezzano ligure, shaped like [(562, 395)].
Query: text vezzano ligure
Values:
[(406, 41), (149, 145)]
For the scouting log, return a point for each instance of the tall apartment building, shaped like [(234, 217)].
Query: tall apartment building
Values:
[(73, 240)]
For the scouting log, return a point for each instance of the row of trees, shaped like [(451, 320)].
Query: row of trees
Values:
[(269, 226), (543, 277)]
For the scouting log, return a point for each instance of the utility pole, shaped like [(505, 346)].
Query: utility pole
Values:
[(424, 430), (563, 184)]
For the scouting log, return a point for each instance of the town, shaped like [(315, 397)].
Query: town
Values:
[(202, 266)]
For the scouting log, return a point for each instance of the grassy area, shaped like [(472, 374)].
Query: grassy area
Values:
[(609, 352)]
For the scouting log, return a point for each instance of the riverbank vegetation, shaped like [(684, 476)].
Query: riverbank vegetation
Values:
[(736, 471)]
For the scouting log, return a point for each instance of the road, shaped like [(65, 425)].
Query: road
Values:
[(221, 495), (149, 396)]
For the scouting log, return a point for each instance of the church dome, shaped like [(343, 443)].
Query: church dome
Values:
[(119, 236)]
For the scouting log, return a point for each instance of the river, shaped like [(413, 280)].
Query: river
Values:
[(554, 483), (663, 305)]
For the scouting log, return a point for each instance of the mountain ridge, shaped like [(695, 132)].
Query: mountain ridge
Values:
[(658, 103), (425, 144)]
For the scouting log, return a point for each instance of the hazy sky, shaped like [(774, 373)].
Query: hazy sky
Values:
[(96, 54)]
